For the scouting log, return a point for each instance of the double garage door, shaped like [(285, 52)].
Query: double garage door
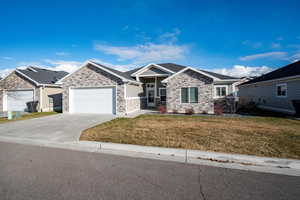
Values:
[(16, 100), (93, 100)]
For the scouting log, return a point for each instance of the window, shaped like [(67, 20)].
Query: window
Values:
[(220, 91), (162, 94), (282, 90), (189, 95)]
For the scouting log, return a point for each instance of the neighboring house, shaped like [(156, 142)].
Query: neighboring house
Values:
[(95, 88), (275, 91), (29, 85)]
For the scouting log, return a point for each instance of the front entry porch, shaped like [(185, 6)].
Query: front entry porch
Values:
[(155, 91)]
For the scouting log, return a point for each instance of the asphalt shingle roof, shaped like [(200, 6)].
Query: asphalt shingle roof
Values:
[(286, 71), (119, 73), (43, 76), (170, 66)]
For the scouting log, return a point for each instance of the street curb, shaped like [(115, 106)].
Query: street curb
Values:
[(189, 155), (225, 160)]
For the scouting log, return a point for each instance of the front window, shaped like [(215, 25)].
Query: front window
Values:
[(162, 94), (220, 91), (282, 90), (189, 95)]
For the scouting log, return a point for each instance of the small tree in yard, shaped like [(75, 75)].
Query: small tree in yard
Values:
[(162, 109), (218, 110)]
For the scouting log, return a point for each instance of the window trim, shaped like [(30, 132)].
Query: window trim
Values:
[(159, 93), (189, 96), (215, 91), (286, 92)]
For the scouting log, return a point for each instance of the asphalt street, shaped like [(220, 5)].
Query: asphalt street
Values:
[(32, 172)]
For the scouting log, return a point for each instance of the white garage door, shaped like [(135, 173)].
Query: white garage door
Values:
[(17, 99), (92, 100)]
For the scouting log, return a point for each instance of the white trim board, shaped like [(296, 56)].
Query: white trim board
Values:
[(149, 66)]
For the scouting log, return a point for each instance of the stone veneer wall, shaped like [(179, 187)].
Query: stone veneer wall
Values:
[(133, 104), (16, 82), (190, 78), (91, 76)]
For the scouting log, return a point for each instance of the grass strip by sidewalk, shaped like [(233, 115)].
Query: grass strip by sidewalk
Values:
[(28, 116), (261, 136)]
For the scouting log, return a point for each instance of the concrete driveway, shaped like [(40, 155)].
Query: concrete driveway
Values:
[(55, 128)]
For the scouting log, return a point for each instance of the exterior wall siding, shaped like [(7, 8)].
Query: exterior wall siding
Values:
[(17, 82), (56, 94), (265, 94), (190, 78), (133, 104), (91, 76), (134, 91)]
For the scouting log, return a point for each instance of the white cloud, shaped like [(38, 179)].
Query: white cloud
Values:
[(251, 44), (5, 72), (170, 37), (149, 52), (279, 38), (296, 56), (62, 65), (275, 45), (275, 55), (7, 58), (242, 71), (62, 53), (166, 50)]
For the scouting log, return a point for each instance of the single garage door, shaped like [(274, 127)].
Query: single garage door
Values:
[(93, 100), (17, 99)]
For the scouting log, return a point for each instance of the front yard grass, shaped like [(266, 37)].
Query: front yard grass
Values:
[(261, 136), (28, 116)]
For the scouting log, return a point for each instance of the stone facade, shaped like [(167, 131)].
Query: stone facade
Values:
[(133, 104), (190, 78), (17, 82), (91, 76)]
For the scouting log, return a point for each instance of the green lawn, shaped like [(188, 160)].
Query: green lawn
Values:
[(28, 116), (261, 136)]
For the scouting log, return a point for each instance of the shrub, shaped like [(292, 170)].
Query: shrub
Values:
[(189, 111), (204, 112), (218, 110), (162, 109)]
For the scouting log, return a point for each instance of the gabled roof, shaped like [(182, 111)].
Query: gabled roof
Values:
[(176, 68), (41, 76), (122, 75), (286, 71), (219, 76), (189, 68)]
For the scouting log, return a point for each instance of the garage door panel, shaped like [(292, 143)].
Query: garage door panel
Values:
[(93, 100), (17, 100)]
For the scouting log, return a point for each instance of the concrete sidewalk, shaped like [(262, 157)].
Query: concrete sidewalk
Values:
[(224, 160)]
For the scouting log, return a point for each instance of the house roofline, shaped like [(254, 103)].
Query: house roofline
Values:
[(143, 69), (125, 80), (193, 69), (268, 81)]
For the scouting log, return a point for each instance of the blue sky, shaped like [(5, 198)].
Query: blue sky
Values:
[(232, 37)]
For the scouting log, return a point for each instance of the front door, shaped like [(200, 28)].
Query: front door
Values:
[(150, 88)]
